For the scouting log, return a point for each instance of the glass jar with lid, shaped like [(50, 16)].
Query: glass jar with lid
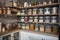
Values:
[(36, 19), (19, 25), (47, 11), (26, 19), (30, 19), (0, 10), (47, 19), (22, 12), (36, 27), (18, 13), (54, 10), (42, 28), (27, 26), (40, 11), (41, 19), (29, 11), (35, 11), (23, 26), (4, 10), (8, 11), (22, 19), (31, 26), (3, 29), (8, 25), (53, 19)]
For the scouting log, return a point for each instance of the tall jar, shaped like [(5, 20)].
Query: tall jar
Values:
[(36, 19), (14, 3), (27, 26), (53, 19), (26, 19), (23, 12), (31, 26), (22, 19), (54, 10), (4, 10), (41, 19), (23, 26), (36, 27), (47, 19), (30, 19), (35, 11), (8, 11), (42, 28), (29, 11), (47, 11), (40, 11)]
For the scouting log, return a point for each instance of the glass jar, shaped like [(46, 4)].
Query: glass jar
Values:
[(0, 11), (36, 27), (26, 19), (31, 27), (23, 12), (30, 19), (19, 25), (35, 11), (47, 11), (23, 26), (54, 10), (14, 3), (36, 19), (0, 26), (41, 19), (27, 26), (42, 28), (40, 11), (18, 13), (8, 26), (47, 19), (22, 19), (8, 11), (48, 29), (25, 4), (4, 10), (3, 29), (53, 19), (30, 12), (44, 3)]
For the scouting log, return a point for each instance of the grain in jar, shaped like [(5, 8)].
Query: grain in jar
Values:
[(31, 26), (22, 19), (35, 11), (47, 19), (42, 28), (36, 19), (40, 11), (29, 11), (30, 19), (36, 27), (23, 26), (8, 11), (47, 11), (41, 19), (53, 19), (27, 26), (0, 10), (48, 29), (54, 10)]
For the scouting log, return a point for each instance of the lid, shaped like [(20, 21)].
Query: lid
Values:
[(36, 17), (40, 8), (54, 8), (47, 17), (35, 9), (54, 17), (47, 8)]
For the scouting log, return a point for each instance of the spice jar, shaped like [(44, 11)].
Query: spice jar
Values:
[(31, 27), (0, 10), (30, 19), (18, 13), (23, 12), (36, 27), (54, 10), (53, 19), (35, 11), (40, 11), (41, 19), (47, 11), (55, 30), (47, 19), (48, 29), (23, 26), (27, 26), (36, 19), (8, 11), (22, 19), (0, 26), (30, 12), (42, 28)]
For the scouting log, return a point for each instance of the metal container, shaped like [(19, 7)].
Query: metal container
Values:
[(40, 11), (41, 19)]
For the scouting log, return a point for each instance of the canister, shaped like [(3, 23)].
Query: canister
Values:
[(40, 11), (41, 19), (27, 26), (32, 27), (41, 28), (35, 11), (29, 11), (23, 26), (30, 19), (36, 19), (22, 19)]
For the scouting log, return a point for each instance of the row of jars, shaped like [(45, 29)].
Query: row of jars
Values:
[(41, 19), (47, 10)]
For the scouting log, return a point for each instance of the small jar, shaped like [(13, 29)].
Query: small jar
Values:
[(23, 26), (42, 28), (23, 12), (18, 13), (36, 19), (44, 3), (22, 19), (27, 26), (54, 10), (30, 19), (50, 2), (47, 11), (36, 27), (48, 29), (40, 11), (30, 12), (47, 19), (31, 27), (41, 19), (8, 11), (8, 26), (35, 11), (53, 19)]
